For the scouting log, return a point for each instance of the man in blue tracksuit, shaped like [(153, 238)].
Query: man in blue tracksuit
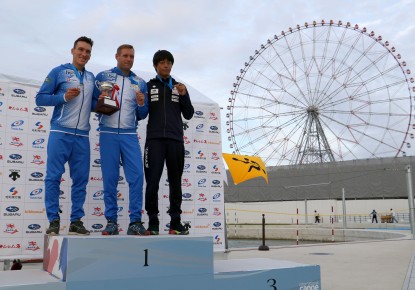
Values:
[(69, 88), (168, 101), (119, 141)]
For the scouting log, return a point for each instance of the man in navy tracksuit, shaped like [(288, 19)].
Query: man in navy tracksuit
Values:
[(119, 141), (168, 101), (69, 88)]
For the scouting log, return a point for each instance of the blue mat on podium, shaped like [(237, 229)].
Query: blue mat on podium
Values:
[(154, 262)]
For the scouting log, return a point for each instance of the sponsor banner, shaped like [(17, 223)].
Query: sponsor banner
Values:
[(11, 228), (12, 211), (34, 228), (11, 247), (12, 192), (24, 131)]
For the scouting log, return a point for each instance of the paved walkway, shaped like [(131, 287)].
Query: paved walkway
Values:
[(374, 265)]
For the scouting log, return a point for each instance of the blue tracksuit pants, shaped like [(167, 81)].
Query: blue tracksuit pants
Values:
[(75, 150), (125, 147)]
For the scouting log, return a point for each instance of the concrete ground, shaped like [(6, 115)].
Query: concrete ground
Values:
[(369, 265), (365, 265)]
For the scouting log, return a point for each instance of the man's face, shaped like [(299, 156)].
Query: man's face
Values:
[(163, 68), (125, 59), (81, 54)]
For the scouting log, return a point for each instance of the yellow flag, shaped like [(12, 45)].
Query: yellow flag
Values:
[(243, 168)]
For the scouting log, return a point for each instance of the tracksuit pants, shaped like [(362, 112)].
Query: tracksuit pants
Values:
[(156, 152), (74, 149), (125, 148)]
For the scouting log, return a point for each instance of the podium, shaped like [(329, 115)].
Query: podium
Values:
[(153, 262)]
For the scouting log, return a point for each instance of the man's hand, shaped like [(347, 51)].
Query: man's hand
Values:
[(139, 96), (72, 93), (181, 88)]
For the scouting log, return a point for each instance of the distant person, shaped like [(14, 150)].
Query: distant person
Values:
[(68, 88), (169, 100), (17, 265), (393, 216), (374, 216), (316, 217)]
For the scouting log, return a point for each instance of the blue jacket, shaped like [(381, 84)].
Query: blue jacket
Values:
[(73, 116), (124, 121)]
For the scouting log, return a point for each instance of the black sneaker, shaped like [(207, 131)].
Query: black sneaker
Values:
[(111, 229), (179, 229), (136, 228), (152, 230), (54, 227), (77, 228)]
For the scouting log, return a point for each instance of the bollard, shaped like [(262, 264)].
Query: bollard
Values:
[(6, 265), (263, 247)]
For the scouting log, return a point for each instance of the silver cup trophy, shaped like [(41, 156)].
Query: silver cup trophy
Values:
[(107, 105)]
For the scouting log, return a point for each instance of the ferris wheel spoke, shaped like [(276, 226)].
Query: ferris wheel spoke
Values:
[(282, 86), (319, 93), (355, 129)]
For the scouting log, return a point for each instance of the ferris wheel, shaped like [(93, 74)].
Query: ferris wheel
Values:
[(322, 92)]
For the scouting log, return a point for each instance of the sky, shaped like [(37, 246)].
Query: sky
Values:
[(210, 40)]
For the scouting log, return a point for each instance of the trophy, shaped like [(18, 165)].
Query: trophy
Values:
[(108, 105)]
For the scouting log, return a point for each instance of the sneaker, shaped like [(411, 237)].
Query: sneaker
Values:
[(152, 230), (77, 228), (111, 229), (179, 229), (136, 228), (54, 227)]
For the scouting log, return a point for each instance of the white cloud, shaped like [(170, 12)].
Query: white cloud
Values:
[(210, 40)]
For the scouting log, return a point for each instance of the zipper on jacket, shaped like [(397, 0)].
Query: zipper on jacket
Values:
[(80, 110), (164, 102), (121, 98)]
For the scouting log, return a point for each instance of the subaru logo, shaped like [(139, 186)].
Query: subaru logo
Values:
[(217, 224), (33, 227), (37, 174), (199, 113), (97, 226), (40, 109), (201, 167), (214, 128), (38, 141), (202, 210), (97, 161), (216, 196), (186, 166), (200, 126), (36, 191), (12, 208), (19, 91), (201, 181), (15, 156), (187, 195), (215, 181)]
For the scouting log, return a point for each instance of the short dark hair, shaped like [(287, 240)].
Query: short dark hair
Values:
[(84, 39), (123, 46), (162, 55)]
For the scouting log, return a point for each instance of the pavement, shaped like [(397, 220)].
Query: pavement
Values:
[(365, 265)]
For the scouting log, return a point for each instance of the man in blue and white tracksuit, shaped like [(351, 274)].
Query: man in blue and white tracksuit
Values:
[(119, 141), (69, 88)]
